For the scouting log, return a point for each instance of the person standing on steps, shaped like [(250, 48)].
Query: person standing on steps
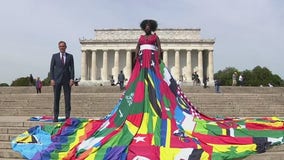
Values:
[(38, 85), (217, 86), (121, 79), (31, 80), (62, 75), (234, 79), (241, 79)]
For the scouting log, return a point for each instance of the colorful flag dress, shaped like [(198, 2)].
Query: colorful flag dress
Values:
[(153, 120)]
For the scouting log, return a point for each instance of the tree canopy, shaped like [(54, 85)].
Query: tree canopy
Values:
[(22, 81), (4, 85), (259, 76)]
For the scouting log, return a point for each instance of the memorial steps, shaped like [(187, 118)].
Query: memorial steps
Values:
[(17, 104)]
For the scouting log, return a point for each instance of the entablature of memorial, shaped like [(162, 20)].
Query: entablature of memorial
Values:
[(133, 49), (92, 41), (164, 33), (131, 46)]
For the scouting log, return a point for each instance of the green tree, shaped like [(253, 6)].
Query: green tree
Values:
[(46, 81), (261, 76), (277, 81), (23, 81), (4, 85), (225, 76), (255, 77), (248, 78)]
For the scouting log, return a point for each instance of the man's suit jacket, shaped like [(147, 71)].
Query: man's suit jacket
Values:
[(62, 73)]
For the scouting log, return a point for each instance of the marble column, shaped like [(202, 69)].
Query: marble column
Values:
[(83, 66), (211, 66), (189, 66), (116, 63), (165, 57), (177, 65), (128, 64), (94, 66), (200, 65), (104, 69)]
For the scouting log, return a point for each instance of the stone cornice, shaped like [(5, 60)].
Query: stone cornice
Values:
[(136, 29), (134, 34), (135, 41)]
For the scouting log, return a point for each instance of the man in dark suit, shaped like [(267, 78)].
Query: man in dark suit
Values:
[(62, 74)]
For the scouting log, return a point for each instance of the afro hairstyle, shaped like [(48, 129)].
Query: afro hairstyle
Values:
[(153, 24)]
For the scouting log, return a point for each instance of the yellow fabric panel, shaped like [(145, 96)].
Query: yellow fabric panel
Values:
[(239, 148), (144, 125), (131, 127), (169, 130)]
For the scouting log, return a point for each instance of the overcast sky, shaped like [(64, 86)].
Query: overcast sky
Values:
[(247, 32)]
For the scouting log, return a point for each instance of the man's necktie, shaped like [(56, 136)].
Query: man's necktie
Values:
[(62, 59)]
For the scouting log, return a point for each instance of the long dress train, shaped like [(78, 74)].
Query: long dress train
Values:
[(152, 120)]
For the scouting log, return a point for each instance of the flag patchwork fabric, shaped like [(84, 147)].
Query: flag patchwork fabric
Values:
[(153, 120)]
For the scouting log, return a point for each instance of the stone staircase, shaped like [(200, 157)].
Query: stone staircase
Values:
[(17, 104)]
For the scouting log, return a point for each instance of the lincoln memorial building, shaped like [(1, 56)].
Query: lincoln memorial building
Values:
[(113, 50)]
